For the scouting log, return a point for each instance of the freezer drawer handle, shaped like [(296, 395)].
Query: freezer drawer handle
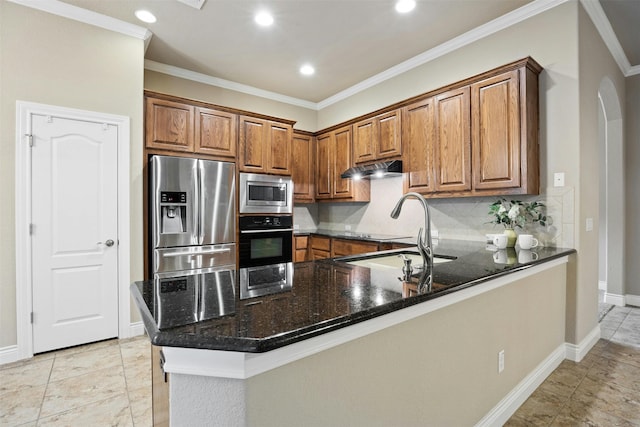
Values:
[(273, 230), (205, 252)]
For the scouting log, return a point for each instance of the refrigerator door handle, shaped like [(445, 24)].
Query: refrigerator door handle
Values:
[(200, 208), (203, 252)]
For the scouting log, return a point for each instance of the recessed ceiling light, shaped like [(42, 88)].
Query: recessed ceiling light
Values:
[(264, 18), (145, 16), (307, 70), (404, 6)]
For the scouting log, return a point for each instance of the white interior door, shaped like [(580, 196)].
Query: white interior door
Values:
[(74, 232)]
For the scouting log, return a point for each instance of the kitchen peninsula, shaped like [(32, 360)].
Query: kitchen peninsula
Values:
[(350, 345)]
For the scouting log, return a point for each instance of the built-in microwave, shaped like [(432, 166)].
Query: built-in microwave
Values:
[(266, 194)]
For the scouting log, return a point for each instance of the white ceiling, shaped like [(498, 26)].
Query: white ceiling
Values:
[(349, 42)]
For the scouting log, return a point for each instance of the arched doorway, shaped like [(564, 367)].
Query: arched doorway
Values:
[(611, 166)]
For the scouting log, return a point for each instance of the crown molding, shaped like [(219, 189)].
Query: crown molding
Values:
[(88, 17), (599, 18), (225, 84)]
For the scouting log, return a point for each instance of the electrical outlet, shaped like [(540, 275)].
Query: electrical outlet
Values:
[(558, 179), (501, 361)]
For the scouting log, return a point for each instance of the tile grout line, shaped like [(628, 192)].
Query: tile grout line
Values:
[(126, 384)]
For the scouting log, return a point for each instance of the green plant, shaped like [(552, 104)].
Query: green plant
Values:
[(514, 213)]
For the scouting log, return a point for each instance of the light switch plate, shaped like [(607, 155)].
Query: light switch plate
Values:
[(589, 225)]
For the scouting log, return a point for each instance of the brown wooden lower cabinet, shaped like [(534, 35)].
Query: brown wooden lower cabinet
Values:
[(159, 389), (320, 247), (300, 248)]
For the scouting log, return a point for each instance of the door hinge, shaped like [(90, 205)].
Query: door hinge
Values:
[(31, 317), (29, 139), (30, 229)]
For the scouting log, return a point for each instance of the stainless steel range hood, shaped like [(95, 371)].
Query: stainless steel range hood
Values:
[(375, 170)]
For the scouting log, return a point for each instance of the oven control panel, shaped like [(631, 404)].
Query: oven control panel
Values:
[(265, 222)]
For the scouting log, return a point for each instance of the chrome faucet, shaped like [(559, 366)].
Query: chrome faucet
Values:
[(425, 246)]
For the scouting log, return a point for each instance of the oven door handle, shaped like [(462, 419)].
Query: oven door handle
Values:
[(273, 230), (203, 252)]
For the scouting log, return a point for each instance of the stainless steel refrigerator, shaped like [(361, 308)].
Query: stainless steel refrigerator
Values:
[(193, 229)]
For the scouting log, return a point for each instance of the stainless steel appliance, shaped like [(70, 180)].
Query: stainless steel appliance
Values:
[(267, 194), (266, 255), (266, 280), (193, 222)]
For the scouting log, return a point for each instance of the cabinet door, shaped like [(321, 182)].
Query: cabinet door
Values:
[(216, 132), (495, 133), (453, 141), (365, 136), (418, 145), (279, 148), (324, 167), (342, 188), (302, 168), (389, 135), (168, 125), (254, 134)]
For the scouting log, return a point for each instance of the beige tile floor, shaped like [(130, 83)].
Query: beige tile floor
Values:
[(101, 384), (109, 383), (602, 390)]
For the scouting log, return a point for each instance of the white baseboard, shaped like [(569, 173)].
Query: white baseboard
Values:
[(136, 329), (576, 352), (501, 413), (615, 299), (632, 300), (8, 354)]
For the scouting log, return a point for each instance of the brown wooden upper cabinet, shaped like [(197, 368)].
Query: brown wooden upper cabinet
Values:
[(169, 125), (302, 168), (333, 156), (264, 146), (216, 132), (452, 154), (480, 139), (378, 138)]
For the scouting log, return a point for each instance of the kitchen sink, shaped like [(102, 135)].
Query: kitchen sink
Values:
[(394, 261)]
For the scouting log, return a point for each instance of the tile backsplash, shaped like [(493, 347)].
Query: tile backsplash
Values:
[(461, 218)]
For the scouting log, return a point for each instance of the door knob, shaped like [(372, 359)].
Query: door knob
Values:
[(109, 243)]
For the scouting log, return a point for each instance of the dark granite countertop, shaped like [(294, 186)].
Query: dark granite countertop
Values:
[(326, 295), (353, 235)]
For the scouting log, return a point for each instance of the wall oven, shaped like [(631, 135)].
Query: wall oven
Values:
[(265, 240), (266, 254), (266, 194)]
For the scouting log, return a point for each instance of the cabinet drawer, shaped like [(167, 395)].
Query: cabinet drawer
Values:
[(321, 243), (302, 242)]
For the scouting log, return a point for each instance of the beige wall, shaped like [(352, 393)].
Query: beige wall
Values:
[(158, 82), (51, 60), (632, 160), (595, 64)]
